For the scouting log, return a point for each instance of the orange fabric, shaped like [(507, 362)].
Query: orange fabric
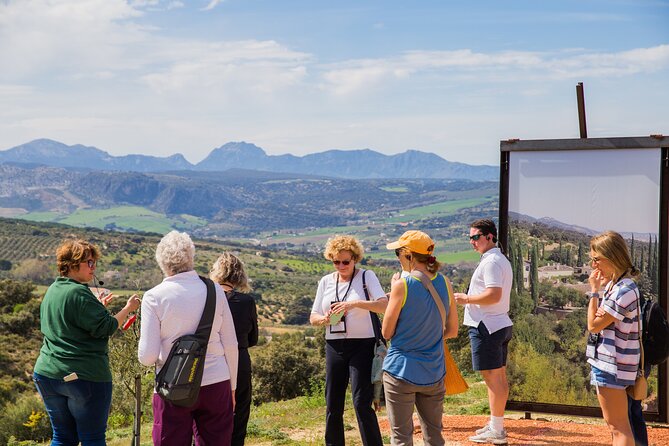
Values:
[(454, 382)]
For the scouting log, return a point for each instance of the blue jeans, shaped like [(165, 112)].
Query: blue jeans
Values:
[(78, 409)]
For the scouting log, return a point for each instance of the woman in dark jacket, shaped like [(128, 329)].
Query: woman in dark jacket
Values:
[(229, 272)]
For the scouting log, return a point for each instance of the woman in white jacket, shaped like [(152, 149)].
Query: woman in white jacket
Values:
[(173, 309)]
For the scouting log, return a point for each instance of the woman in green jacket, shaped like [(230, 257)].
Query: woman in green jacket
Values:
[(72, 371)]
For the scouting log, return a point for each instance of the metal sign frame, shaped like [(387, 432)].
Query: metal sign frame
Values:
[(651, 142)]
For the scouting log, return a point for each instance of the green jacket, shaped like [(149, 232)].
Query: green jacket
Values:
[(76, 328)]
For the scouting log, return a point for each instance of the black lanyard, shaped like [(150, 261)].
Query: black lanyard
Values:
[(347, 289)]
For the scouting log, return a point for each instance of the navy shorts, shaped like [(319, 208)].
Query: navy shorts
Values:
[(489, 351)]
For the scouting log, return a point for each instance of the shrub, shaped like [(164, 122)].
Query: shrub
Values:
[(284, 369), (25, 419)]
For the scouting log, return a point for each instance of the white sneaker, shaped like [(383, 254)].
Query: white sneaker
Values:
[(487, 435), (483, 429)]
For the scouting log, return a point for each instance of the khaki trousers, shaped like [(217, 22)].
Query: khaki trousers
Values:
[(401, 397)]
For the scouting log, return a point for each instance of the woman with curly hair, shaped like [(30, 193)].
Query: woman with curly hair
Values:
[(228, 271), (343, 308), (72, 372)]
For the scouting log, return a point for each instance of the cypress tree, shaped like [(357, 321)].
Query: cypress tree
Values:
[(632, 250), (534, 274), (520, 273)]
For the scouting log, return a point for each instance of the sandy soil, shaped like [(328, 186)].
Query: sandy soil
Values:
[(541, 431)]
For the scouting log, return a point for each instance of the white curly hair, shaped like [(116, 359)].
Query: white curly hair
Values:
[(175, 253)]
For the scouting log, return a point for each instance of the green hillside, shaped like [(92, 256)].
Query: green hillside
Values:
[(122, 218)]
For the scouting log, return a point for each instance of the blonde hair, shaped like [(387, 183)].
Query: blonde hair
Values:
[(340, 243), (229, 269), (612, 245), (71, 253), (175, 253), (431, 263)]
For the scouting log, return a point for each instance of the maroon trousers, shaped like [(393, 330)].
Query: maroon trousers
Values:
[(209, 420)]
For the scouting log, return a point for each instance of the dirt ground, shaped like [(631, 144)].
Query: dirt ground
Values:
[(540, 431)]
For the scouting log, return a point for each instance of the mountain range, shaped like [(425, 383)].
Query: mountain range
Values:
[(357, 164)]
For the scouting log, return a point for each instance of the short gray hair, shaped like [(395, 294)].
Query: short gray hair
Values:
[(175, 253)]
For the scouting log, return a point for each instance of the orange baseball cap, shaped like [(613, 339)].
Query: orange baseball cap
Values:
[(415, 241)]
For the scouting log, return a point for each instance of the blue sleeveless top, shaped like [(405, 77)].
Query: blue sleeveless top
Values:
[(416, 352)]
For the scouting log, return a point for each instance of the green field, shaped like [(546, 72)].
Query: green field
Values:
[(442, 255), (441, 209), (395, 189), (121, 218), (450, 250)]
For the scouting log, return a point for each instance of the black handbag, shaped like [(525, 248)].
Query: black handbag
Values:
[(178, 382)]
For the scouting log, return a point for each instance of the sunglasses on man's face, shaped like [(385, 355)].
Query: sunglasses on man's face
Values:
[(90, 262), (343, 262), (475, 237)]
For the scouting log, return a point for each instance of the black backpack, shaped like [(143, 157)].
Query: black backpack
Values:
[(179, 380), (655, 333)]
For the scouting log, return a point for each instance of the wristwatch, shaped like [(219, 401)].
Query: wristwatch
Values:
[(591, 294)]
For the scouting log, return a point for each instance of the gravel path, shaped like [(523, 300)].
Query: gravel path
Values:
[(540, 431)]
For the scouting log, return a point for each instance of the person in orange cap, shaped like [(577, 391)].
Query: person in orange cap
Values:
[(414, 367)]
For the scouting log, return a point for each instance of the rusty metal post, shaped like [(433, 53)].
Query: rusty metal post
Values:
[(581, 110), (137, 426)]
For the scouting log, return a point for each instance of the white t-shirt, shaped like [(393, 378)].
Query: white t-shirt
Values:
[(494, 271), (358, 321)]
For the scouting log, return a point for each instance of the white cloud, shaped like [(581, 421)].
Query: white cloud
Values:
[(15, 90), (40, 37), (355, 76), (212, 4), (157, 5), (227, 69)]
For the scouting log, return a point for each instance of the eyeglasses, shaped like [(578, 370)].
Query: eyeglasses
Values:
[(475, 237), (343, 262), (595, 259), (90, 262), (398, 251)]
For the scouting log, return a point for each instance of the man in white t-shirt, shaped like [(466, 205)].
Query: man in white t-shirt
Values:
[(487, 315)]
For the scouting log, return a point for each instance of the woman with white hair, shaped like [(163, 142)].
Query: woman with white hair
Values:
[(173, 309)]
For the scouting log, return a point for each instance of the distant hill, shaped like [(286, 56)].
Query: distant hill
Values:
[(236, 201), (55, 154), (241, 155), (552, 223)]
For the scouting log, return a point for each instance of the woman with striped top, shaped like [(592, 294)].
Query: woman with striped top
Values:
[(613, 346)]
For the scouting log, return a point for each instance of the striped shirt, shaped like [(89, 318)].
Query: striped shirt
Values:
[(618, 351)]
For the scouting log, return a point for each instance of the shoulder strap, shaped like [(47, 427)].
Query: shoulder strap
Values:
[(207, 320), (427, 283), (638, 309), (376, 323)]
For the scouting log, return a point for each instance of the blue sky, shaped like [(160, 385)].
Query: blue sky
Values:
[(160, 77)]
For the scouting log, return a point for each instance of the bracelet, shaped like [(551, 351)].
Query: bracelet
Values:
[(591, 295)]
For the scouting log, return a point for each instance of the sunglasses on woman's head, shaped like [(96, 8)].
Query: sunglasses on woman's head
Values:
[(475, 237), (343, 262)]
